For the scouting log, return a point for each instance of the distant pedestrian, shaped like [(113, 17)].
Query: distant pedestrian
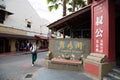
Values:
[(28, 46), (33, 49), (17, 46), (22, 46)]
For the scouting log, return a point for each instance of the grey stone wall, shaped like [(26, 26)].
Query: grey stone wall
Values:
[(70, 48)]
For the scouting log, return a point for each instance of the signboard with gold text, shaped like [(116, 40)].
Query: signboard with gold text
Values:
[(69, 46)]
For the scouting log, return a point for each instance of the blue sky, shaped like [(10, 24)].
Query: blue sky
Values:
[(42, 9)]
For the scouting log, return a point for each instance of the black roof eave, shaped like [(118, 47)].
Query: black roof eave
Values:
[(69, 17), (8, 12)]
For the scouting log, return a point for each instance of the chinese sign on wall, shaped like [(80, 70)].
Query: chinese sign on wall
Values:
[(99, 27), (69, 46)]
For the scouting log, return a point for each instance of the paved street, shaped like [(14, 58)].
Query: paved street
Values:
[(17, 66), (53, 74)]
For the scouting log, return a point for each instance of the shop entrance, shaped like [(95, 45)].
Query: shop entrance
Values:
[(4, 45), (1, 45), (117, 21)]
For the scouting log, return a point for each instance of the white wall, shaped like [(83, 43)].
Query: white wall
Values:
[(22, 10)]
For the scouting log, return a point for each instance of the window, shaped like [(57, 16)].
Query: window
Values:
[(28, 24), (2, 16)]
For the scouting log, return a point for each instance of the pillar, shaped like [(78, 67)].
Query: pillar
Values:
[(12, 45), (103, 37), (103, 28)]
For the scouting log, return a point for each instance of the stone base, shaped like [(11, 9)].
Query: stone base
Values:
[(64, 65), (98, 70)]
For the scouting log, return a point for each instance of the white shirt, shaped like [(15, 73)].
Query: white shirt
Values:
[(33, 48)]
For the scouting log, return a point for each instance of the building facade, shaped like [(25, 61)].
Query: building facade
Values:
[(19, 23)]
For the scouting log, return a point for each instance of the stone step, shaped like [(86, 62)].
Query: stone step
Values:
[(116, 70), (114, 74), (107, 77)]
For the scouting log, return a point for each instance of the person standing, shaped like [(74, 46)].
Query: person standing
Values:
[(33, 49), (28, 46), (17, 46)]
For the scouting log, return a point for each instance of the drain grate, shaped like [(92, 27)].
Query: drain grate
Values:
[(28, 76)]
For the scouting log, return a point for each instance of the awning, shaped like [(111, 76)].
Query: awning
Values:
[(2, 35), (3, 10), (41, 37), (80, 19)]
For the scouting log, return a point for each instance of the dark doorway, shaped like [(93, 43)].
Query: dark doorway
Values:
[(7, 45), (1, 45), (4, 45), (117, 21)]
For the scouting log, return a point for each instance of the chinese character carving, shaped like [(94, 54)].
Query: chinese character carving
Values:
[(79, 45), (99, 33), (70, 45), (99, 20), (61, 45)]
